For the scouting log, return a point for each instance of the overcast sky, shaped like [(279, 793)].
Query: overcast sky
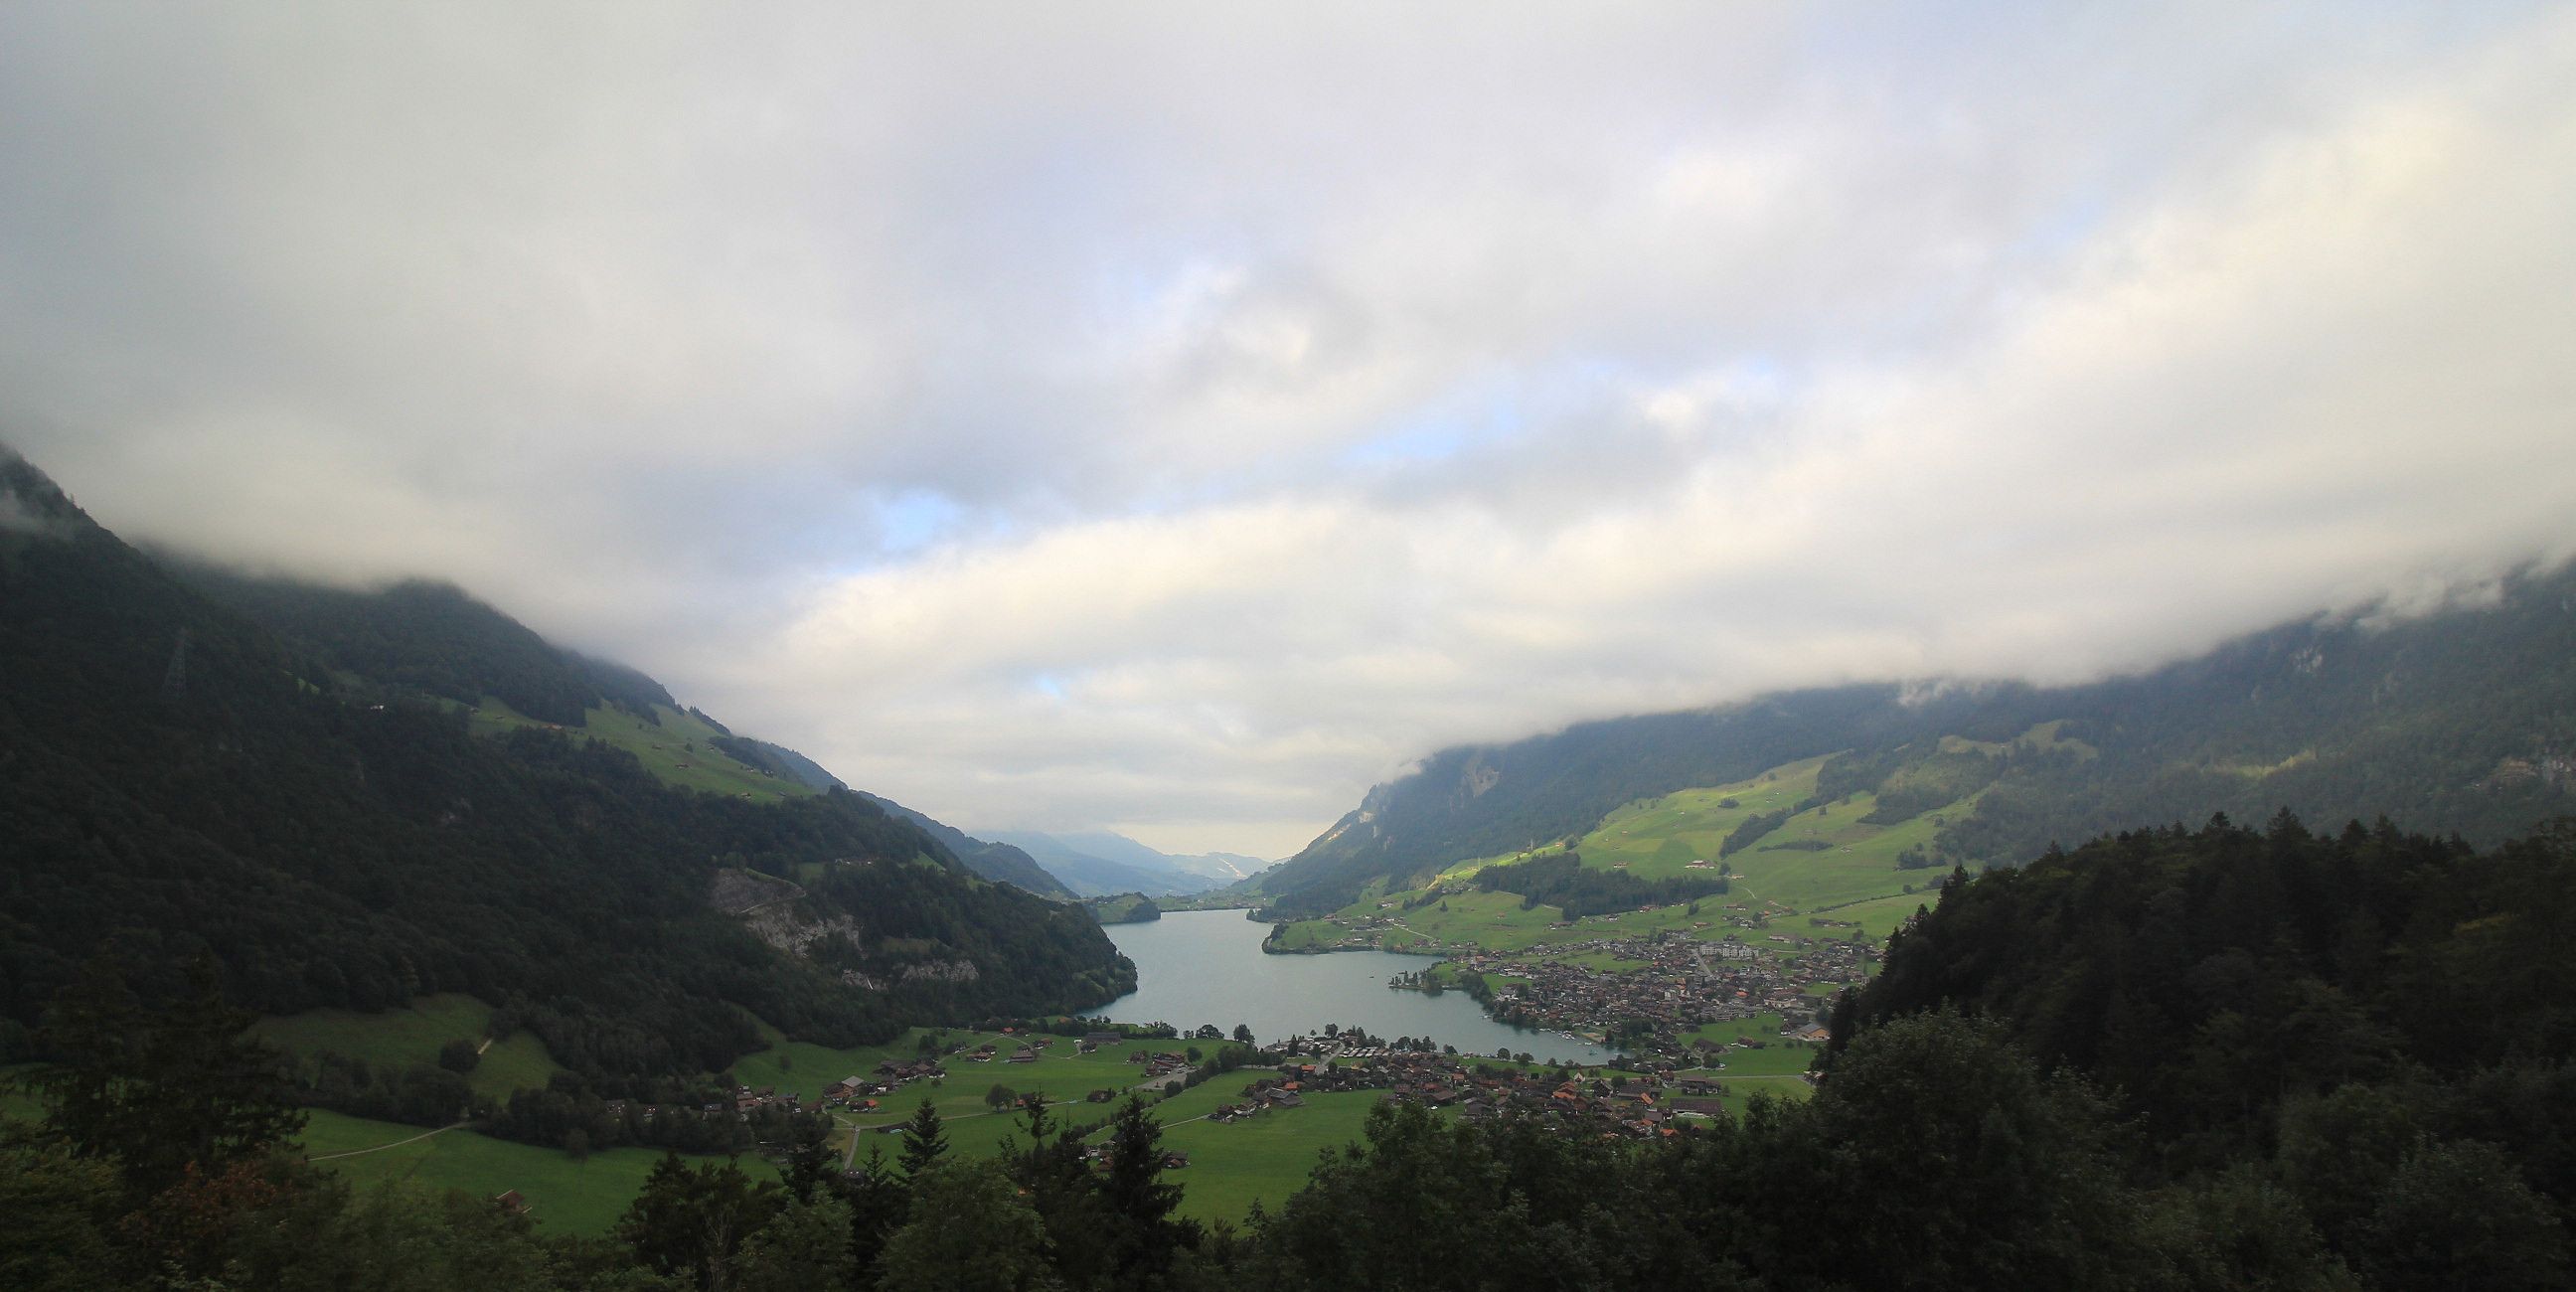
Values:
[(1175, 418)]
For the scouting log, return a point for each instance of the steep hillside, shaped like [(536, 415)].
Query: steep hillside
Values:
[(2351, 1014), (422, 639), (174, 775), (2459, 722), (992, 860)]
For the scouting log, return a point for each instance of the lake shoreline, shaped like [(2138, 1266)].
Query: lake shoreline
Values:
[(1203, 968)]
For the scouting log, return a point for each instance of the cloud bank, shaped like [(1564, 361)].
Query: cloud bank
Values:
[(1173, 420)]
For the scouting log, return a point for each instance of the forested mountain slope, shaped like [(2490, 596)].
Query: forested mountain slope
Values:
[(2372, 1026), (421, 638), (176, 776), (990, 858), (2463, 721)]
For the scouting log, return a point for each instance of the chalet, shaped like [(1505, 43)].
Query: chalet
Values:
[(1100, 1040), (1024, 1054), (512, 1202)]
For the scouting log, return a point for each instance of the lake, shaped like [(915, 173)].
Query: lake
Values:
[(1195, 967)]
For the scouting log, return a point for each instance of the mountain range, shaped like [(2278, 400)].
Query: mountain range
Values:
[(1098, 863), (2457, 722), (356, 798)]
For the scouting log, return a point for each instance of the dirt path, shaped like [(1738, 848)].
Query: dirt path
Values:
[(325, 1157), (850, 1158)]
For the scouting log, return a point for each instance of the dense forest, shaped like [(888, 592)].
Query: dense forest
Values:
[(2460, 722), (1564, 882), (175, 777), (2240, 991)]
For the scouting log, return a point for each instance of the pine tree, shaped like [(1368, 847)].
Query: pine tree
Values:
[(878, 1202), (1138, 1197), (925, 1139), (808, 1159), (162, 1090)]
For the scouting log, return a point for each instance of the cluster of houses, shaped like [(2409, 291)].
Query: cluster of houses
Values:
[(1098, 1157), (1681, 982), (860, 1093), (1160, 1063), (1263, 1095), (743, 1101), (1638, 1105)]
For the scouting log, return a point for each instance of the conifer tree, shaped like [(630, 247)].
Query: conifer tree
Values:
[(162, 1090), (1137, 1195), (925, 1139)]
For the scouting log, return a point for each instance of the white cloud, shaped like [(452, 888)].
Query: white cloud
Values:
[(1175, 419)]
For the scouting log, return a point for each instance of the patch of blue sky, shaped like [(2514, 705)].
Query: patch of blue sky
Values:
[(914, 519), (877, 529), (1483, 414)]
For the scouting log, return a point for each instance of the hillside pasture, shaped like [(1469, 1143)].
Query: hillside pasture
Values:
[(401, 1038), (1877, 917), (678, 751), (1064, 1076), (1265, 1157), (582, 1198)]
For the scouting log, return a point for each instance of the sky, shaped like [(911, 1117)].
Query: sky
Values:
[(1176, 418)]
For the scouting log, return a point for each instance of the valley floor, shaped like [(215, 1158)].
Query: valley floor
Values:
[(1806, 908)]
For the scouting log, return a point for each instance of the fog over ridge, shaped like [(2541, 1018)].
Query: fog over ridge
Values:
[(1172, 421)]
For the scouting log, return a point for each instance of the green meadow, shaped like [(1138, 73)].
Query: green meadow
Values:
[(1761, 1027), (584, 1197), (678, 751), (1264, 1158), (17, 1105), (1823, 873), (1064, 1076), (403, 1037)]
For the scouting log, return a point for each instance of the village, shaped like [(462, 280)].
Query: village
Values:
[(1659, 988), (1642, 1104)]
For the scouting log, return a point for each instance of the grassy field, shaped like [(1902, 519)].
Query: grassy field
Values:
[(587, 1197), (1777, 1058), (1064, 1076), (1266, 1157), (1740, 1088), (1760, 1027), (403, 1037), (1875, 917), (17, 1105), (1822, 873), (677, 751), (568, 1197)]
